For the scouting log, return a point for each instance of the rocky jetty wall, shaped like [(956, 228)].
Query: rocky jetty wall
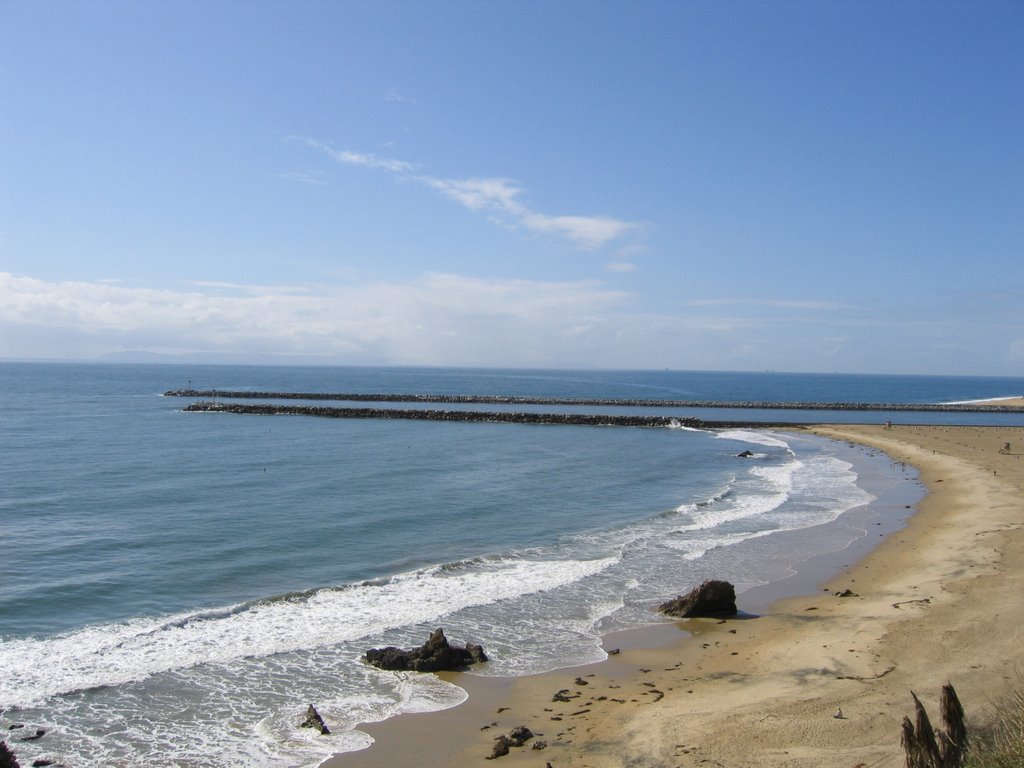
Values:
[(514, 400), (508, 417)]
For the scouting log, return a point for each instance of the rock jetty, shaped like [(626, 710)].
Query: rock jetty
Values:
[(357, 397), (508, 417)]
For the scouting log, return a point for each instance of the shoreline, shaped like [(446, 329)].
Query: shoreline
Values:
[(762, 691)]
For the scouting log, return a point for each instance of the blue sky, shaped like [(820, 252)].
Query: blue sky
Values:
[(803, 186)]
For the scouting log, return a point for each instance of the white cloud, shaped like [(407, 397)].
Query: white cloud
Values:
[(366, 160), (317, 178), (371, 161), (480, 194), (256, 290), (771, 304), (585, 231), (437, 318), (620, 266), (446, 319), (499, 196)]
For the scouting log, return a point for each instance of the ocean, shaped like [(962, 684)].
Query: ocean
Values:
[(176, 588)]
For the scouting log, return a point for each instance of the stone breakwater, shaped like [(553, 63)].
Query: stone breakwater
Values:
[(510, 417), (514, 400)]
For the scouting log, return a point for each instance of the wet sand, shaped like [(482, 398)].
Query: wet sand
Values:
[(936, 601)]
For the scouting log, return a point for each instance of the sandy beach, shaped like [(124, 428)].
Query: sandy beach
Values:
[(819, 679)]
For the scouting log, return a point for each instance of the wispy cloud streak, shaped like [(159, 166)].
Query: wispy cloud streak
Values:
[(772, 304), (366, 160), (500, 197)]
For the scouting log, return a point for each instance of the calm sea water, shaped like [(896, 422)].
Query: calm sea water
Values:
[(176, 588)]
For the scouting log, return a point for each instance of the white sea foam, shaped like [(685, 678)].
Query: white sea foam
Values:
[(114, 654), (772, 490), (676, 424), (748, 436)]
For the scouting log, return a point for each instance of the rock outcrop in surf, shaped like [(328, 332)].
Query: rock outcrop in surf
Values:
[(712, 599), (315, 721), (435, 655), (7, 758)]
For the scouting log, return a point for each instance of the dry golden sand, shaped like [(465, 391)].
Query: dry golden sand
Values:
[(942, 600), (1005, 402)]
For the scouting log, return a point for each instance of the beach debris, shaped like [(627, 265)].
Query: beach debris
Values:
[(7, 758), (846, 593), (565, 695), (865, 678), (712, 599), (921, 601), (520, 735), (928, 748), (501, 747), (614, 652), (314, 721), (581, 681), (435, 655), (539, 744), (745, 455), (516, 738)]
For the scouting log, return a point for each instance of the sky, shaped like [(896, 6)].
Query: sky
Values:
[(811, 185)]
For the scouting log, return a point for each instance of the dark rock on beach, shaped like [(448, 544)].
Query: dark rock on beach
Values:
[(501, 747), (314, 721), (516, 738), (435, 655), (712, 599)]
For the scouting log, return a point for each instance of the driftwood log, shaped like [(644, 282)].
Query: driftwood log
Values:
[(927, 748)]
